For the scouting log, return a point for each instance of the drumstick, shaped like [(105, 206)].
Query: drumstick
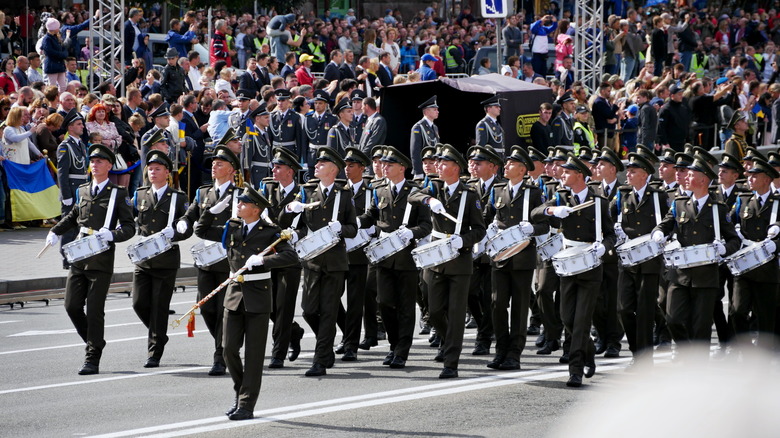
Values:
[(43, 251), (582, 206), (451, 217), (312, 205)]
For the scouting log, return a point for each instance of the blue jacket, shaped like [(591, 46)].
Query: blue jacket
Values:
[(178, 42), (426, 73), (55, 55), (74, 49)]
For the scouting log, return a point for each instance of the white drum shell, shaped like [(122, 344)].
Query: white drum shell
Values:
[(638, 250), (385, 247), (207, 253), (746, 259), (316, 243), (359, 241), (148, 247), (576, 260), (84, 248), (505, 239), (550, 247), (680, 257), (434, 253)]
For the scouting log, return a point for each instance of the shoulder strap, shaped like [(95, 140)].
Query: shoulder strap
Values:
[(335, 215), (657, 208), (716, 220), (110, 211), (172, 209), (599, 237), (773, 215), (526, 203), (461, 209), (367, 196)]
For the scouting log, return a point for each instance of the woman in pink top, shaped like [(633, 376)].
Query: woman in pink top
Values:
[(564, 46), (97, 121)]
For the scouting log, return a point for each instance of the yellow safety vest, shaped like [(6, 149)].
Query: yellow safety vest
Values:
[(699, 68), (449, 60), (316, 51), (588, 134)]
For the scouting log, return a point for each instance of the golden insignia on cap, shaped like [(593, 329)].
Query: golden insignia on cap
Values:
[(389, 153), (725, 158)]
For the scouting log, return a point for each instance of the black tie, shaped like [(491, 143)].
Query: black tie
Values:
[(325, 192), (246, 231), (95, 191), (395, 191), (189, 82), (217, 191), (696, 207), (511, 193), (760, 202), (484, 187), (446, 194)]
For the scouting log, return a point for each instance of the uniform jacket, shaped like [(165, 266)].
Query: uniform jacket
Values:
[(340, 138), (423, 134), (490, 133), (599, 190), (754, 221), (205, 198), (563, 130), (357, 125), (72, 166), (507, 212), (484, 200), (359, 199), (374, 133), (286, 129), (317, 128), (638, 218), (153, 217)]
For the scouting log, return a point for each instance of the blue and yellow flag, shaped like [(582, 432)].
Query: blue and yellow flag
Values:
[(182, 126), (251, 129), (33, 192)]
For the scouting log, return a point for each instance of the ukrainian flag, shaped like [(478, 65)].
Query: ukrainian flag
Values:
[(250, 127), (182, 127), (33, 192)]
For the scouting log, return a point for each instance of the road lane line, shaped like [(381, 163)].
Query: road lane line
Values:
[(54, 347), (65, 331)]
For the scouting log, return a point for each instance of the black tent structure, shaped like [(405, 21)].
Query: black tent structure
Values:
[(460, 109)]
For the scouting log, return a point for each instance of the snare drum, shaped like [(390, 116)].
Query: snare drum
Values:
[(680, 257), (479, 248), (748, 258), (207, 253), (507, 243), (434, 253), (553, 245), (316, 243), (638, 250), (359, 241), (148, 247), (385, 247), (84, 248), (575, 260)]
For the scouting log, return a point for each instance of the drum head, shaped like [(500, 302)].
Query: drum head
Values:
[(511, 251)]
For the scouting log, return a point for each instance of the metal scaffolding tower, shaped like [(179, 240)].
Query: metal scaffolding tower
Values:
[(106, 34), (588, 42)]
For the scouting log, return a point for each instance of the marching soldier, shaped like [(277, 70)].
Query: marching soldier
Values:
[(510, 204), (489, 131), (424, 133), (323, 276), (248, 300), (224, 164), (318, 124), (359, 119), (396, 276), (280, 191), (639, 207), (693, 291), (589, 227), (103, 210), (340, 135), (287, 129), (258, 146), (72, 164), (154, 280), (448, 282)]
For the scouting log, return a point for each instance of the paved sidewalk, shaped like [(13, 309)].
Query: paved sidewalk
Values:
[(20, 271)]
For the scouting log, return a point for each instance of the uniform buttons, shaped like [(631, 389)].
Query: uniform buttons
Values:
[(152, 220), (639, 223), (324, 219), (91, 214), (243, 244), (511, 205), (511, 217), (578, 226), (394, 216), (243, 256), (695, 232)]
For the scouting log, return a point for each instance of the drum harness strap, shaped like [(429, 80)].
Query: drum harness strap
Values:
[(172, 212), (109, 215), (573, 243), (461, 209), (404, 221), (772, 219), (335, 211)]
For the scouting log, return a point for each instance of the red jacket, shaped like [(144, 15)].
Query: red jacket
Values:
[(304, 77), (219, 49), (7, 83)]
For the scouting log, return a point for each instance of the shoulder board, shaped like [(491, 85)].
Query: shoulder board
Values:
[(599, 196), (178, 192), (313, 180), (465, 179), (594, 183), (375, 184), (143, 188), (269, 180), (367, 179), (500, 184), (340, 181), (235, 221), (206, 186), (551, 183), (436, 180), (469, 189), (310, 184), (682, 198), (415, 184), (562, 190), (625, 188), (344, 188), (472, 180), (748, 195), (86, 184)]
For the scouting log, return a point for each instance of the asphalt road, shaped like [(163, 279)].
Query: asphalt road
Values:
[(41, 395)]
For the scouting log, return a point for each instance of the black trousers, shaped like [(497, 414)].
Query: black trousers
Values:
[(578, 300), (396, 292), (370, 305), (321, 296), (689, 316), (249, 330), (723, 326), (605, 316), (356, 279), (761, 299), (68, 236), (447, 298), (479, 302), (90, 288), (286, 282), (548, 283), (511, 288), (212, 310), (637, 303), (152, 292), (422, 297)]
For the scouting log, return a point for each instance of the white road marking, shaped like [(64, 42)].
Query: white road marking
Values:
[(54, 347), (7, 322), (65, 331)]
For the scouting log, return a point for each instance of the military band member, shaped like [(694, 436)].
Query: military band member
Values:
[(154, 280), (666, 171), (424, 133), (639, 207), (224, 164), (258, 146), (563, 124), (579, 292), (489, 131), (248, 300), (486, 164), (448, 283), (340, 135), (280, 191), (737, 145), (287, 129), (397, 275), (756, 213), (72, 165), (103, 209), (750, 154), (318, 124), (323, 276), (359, 118), (509, 202), (693, 291)]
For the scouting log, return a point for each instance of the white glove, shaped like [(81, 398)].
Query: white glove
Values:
[(105, 234), (294, 237), (67, 202), (220, 206), (52, 239), (358, 222), (773, 231), (457, 242), (255, 260), (658, 236), (526, 228), (182, 226), (739, 232), (600, 249), (436, 205), (619, 232), (770, 245), (294, 207), (371, 230), (336, 226), (167, 232), (562, 211), (407, 235), (719, 247)]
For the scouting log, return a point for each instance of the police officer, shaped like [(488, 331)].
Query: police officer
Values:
[(448, 282), (257, 146), (489, 131), (510, 204), (248, 300), (323, 276), (563, 124), (280, 190), (424, 133), (286, 126), (582, 136), (318, 124), (155, 279), (72, 164), (104, 210), (341, 135), (580, 229), (224, 164)]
